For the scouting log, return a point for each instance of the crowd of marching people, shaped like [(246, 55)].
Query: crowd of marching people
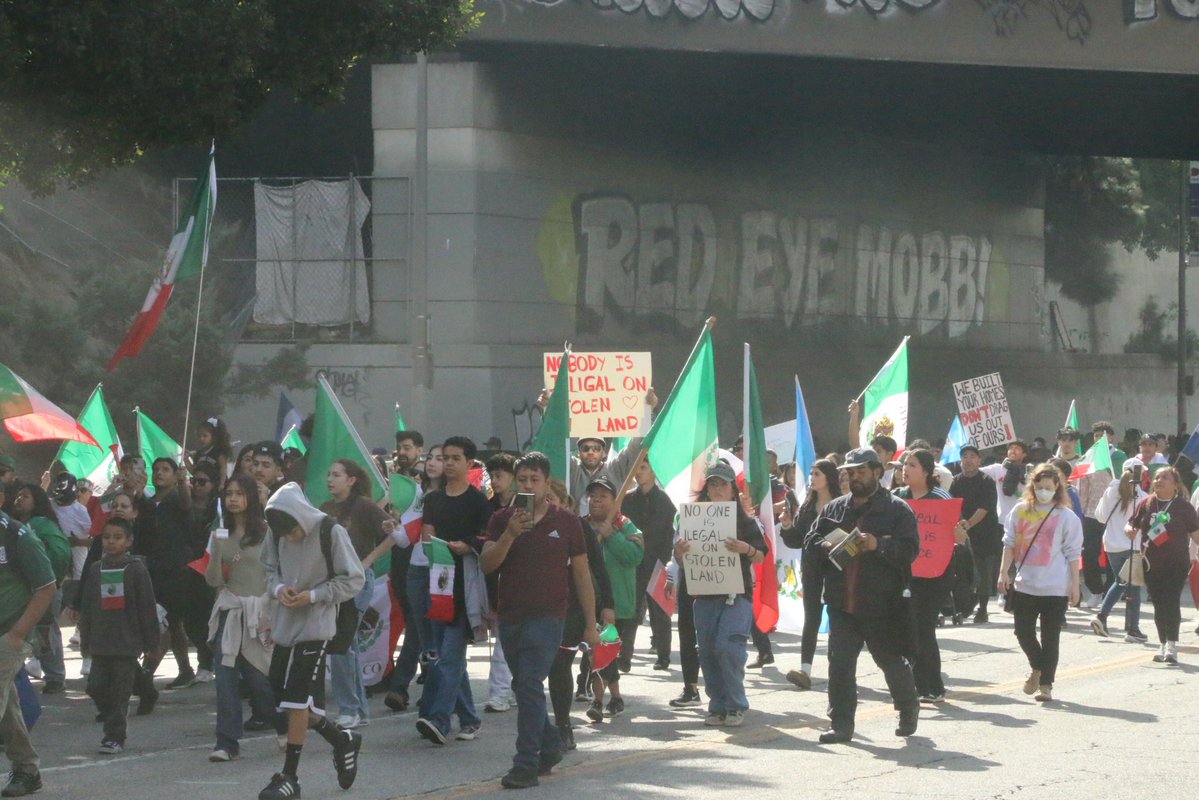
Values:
[(221, 557)]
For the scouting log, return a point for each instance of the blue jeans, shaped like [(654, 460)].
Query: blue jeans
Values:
[(447, 686), (228, 696), (531, 647), (722, 631), (1132, 609), (49, 642), (345, 669), (418, 631)]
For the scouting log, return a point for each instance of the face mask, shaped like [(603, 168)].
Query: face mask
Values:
[(1044, 495)]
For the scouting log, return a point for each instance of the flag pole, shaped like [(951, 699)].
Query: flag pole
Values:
[(209, 175), (709, 324), (880, 370)]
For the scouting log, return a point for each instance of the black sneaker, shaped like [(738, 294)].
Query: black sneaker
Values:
[(53, 687), (760, 662), (688, 699), (21, 784), (253, 725), (615, 706), (981, 618), (662, 666), (430, 731), (396, 701), (583, 695), (281, 787), (909, 716), (548, 762), (568, 737), (835, 737), (147, 702), (183, 680), (518, 778), (595, 711), (345, 757)]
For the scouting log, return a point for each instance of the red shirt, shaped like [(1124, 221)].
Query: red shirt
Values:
[(534, 578)]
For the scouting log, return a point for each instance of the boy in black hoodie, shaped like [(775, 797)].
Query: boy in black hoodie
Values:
[(118, 623)]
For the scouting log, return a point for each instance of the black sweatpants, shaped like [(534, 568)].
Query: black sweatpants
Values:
[(688, 645), (110, 684), (1165, 582), (847, 634)]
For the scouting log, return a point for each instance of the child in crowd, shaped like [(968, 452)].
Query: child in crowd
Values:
[(118, 624)]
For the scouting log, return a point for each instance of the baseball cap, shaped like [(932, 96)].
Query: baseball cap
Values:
[(63, 489), (603, 483), (269, 448), (590, 439), (720, 470), (971, 448), (860, 457)]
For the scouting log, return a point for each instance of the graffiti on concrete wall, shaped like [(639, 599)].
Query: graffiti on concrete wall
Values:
[(675, 260), (1145, 10), (1071, 16)]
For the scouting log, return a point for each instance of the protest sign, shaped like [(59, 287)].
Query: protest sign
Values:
[(711, 568), (935, 520), (607, 392), (984, 411)]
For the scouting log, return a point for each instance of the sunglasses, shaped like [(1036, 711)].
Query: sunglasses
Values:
[(591, 448)]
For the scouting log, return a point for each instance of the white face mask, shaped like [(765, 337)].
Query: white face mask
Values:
[(1044, 495)]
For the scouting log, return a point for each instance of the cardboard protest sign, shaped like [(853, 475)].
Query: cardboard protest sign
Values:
[(607, 392), (710, 567), (984, 412), (935, 520)]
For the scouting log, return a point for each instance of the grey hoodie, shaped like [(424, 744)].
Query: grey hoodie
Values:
[(301, 565)]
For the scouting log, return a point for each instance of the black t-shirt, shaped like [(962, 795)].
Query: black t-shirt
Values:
[(165, 533), (458, 518), (978, 491), (653, 513)]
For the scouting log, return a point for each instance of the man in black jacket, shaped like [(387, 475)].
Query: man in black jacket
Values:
[(653, 513), (866, 602)]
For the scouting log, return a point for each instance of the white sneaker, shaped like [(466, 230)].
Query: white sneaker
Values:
[(281, 740), (1161, 654), (497, 705), (205, 676), (218, 755), (34, 668), (74, 640), (85, 667), (1171, 652), (733, 719), (348, 721)]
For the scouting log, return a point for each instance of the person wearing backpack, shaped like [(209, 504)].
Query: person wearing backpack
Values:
[(31, 506), (312, 570), (27, 589)]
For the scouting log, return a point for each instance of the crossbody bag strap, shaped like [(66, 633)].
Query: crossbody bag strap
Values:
[(1034, 541)]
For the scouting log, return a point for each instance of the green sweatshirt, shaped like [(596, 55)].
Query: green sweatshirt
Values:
[(622, 555)]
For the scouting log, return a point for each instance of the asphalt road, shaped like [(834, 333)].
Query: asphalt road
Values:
[(1121, 725)]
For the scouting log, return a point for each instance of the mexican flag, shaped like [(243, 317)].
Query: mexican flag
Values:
[(407, 503), (30, 417), (400, 424), (1072, 422), (185, 258), (553, 435), (885, 409), (757, 483), (294, 439), (334, 437), (153, 442), (112, 589), (84, 461), (1098, 458), (683, 439), (441, 581), (379, 632)]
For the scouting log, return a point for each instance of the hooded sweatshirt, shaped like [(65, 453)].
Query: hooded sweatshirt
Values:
[(301, 565)]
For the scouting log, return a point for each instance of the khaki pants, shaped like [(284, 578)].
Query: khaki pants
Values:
[(12, 724)]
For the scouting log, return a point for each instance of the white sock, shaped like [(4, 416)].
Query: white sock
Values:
[(805, 668)]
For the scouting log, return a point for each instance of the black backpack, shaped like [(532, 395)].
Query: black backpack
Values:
[(347, 612)]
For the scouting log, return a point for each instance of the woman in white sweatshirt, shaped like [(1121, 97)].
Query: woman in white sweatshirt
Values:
[(1043, 538), (1115, 507)]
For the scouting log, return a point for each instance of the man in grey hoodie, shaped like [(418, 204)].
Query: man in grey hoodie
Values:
[(304, 621)]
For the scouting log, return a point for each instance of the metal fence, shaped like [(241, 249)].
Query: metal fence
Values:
[(275, 263)]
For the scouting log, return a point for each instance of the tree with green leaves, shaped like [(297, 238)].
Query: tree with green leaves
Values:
[(88, 86)]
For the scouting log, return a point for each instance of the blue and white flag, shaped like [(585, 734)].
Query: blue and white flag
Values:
[(951, 453)]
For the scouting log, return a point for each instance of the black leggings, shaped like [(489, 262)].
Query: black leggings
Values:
[(1165, 582), (813, 611), (1043, 653), (559, 679), (928, 598), (688, 647)]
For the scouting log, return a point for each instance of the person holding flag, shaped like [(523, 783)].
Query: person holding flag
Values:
[(1115, 509), (722, 623)]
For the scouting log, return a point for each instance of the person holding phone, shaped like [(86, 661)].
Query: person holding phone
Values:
[(1115, 510)]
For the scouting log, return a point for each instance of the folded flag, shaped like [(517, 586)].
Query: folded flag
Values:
[(407, 503), (441, 581)]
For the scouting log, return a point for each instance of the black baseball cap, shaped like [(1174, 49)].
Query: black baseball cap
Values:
[(860, 457), (269, 448), (603, 483), (971, 448)]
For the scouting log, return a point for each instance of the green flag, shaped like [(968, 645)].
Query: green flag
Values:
[(294, 439), (400, 424), (554, 432), (1072, 422), (153, 442), (84, 461), (682, 441), (334, 437)]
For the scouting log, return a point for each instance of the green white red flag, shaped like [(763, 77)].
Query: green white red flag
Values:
[(185, 258), (30, 417), (554, 434), (683, 439), (1097, 459), (441, 580), (885, 404), (153, 442), (757, 483), (407, 503), (112, 589), (98, 464), (334, 437)]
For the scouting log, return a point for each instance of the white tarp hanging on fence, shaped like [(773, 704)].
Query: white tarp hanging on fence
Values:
[(311, 269)]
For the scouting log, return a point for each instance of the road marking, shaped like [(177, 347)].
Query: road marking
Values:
[(759, 734)]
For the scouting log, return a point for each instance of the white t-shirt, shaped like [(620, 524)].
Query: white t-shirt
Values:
[(1114, 540), (1004, 504), (75, 522)]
